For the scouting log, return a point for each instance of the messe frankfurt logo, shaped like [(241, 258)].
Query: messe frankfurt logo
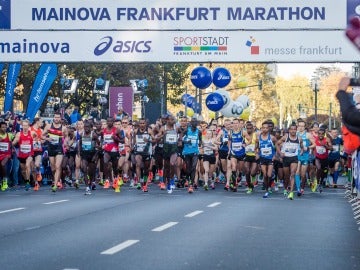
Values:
[(5, 14), (254, 49)]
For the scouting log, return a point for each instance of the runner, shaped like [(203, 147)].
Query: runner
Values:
[(5, 154), (142, 140), (26, 151), (170, 135), (87, 148), (334, 155), (237, 154), (250, 161), (323, 145), (265, 149), (191, 141), (303, 156), (288, 147)]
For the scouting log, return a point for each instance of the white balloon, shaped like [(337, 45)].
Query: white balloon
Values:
[(226, 96), (244, 100), (234, 109)]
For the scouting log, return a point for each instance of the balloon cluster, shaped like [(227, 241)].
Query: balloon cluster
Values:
[(218, 101)]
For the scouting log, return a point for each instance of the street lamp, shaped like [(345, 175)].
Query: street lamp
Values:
[(316, 90)]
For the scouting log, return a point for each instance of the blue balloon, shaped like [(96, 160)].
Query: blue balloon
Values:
[(190, 101), (221, 77), (196, 107), (187, 100), (201, 77), (184, 98), (215, 102)]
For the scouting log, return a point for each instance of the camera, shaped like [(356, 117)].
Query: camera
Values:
[(354, 82)]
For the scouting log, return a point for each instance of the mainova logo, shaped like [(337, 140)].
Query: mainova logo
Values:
[(254, 49), (122, 46), (5, 14)]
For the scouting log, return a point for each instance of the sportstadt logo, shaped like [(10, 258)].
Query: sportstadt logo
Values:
[(254, 49)]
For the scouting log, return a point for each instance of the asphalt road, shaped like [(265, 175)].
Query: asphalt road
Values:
[(211, 229)]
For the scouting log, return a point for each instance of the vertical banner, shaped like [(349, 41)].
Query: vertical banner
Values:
[(121, 96), (44, 79), (12, 74)]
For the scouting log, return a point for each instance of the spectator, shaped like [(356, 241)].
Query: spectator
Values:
[(67, 115), (120, 114), (350, 114), (75, 116)]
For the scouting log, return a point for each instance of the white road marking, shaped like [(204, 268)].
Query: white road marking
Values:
[(164, 227), (252, 227), (12, 210), (193, 214), (32, 228), (56, 202), (214, 204), (119, 247), (71, 269)]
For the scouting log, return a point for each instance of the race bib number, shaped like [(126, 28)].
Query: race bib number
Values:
[(121, 147), (25, 148), (208, 152), (266, 151), (336, 148), (37, 146), (108, 138), (86, 145), (236, 146), (250, 148), (171, 138), (4, 147), (54, 139), (320, 150)]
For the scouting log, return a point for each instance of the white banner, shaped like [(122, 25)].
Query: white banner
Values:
[(173, 15), (176, 46)]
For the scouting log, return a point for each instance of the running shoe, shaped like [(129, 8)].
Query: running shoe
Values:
[(186, 183), (195, 186), (162, 185), (76, 184), (93, 186), (212, 185), (54, 188), (38, 176), (138, 186), (249, 191), (286, 193), (27, 186), (101, 182), (132, 183), (226, 187), (172, 184), (206, 187), (314, 186), (302, 191), (4, 185), (266, 195), (87, 191), (190, 189), (169, 190), (144, 188), (291, 195), (335, 186), (298, 193)]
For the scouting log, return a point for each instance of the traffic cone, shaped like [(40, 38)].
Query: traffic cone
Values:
[(37, 186), (107, 184), (116, 185)]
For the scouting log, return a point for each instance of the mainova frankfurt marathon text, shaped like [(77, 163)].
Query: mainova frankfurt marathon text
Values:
[(178, 13)]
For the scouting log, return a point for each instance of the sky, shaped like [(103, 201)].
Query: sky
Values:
[(289, 70)]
